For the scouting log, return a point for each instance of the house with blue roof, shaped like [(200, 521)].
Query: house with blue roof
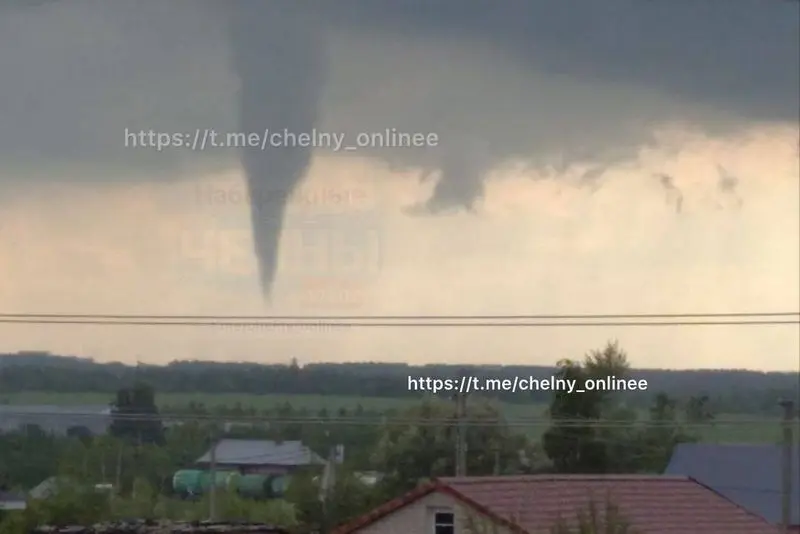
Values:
[(258, 456), (749, 475), (11, 501)]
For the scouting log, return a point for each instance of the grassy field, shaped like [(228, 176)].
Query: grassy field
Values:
[(260, 402), (728, 428)]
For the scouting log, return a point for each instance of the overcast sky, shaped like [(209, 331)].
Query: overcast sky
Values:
[(640, 158)]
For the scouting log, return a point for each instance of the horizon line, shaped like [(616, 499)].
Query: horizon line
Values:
[(301, 365)]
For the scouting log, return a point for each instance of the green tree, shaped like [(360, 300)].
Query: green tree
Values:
[(698, 410), (348, 498), (575, 443), (140, 504), (13, 522), (408, 453), (304, 492), (135, 416), (27, 457), (232, 507), (80, 505), (186, 442), (665, 430)]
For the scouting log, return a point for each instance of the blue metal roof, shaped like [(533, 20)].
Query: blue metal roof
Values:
[(749, 475)]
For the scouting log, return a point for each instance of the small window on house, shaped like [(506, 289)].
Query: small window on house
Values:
[(444, 523)]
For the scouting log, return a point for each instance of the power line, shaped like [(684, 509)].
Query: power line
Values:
[(413, 321), (390, 317), (392, 420), (353, 324)]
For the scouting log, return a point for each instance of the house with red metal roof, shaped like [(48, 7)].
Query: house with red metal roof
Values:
[(533, 504)]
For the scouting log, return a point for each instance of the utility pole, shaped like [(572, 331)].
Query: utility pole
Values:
[(212, 490), (461, 434), (118, 478), (326, 485), (786, 467), (457, 399)]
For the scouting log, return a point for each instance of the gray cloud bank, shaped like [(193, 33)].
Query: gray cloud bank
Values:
[(549, 83)]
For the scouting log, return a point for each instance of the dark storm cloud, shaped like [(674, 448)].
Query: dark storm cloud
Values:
[(735, 55), (74, 75), (545, 82)]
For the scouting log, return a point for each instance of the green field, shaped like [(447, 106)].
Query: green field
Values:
[(260, 402), (727, 428)]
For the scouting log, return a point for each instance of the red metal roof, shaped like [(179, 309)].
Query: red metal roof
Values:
[(654, 504)]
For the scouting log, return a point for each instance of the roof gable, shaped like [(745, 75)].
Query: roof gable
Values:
[(414, 495), (653, 504), (749, 475)]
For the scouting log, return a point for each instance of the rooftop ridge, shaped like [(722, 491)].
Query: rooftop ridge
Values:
[(140, 526), (494, 479)]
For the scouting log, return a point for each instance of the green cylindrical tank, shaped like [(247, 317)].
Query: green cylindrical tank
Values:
[(187, 481), (253, 486), (222, 479), (278, 485), (197, 482)]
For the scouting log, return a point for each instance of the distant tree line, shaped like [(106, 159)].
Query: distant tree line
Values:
[(731, 391)]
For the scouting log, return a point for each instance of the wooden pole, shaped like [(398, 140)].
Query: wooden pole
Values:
[(212, 490), (786, 466), (461, 435)]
